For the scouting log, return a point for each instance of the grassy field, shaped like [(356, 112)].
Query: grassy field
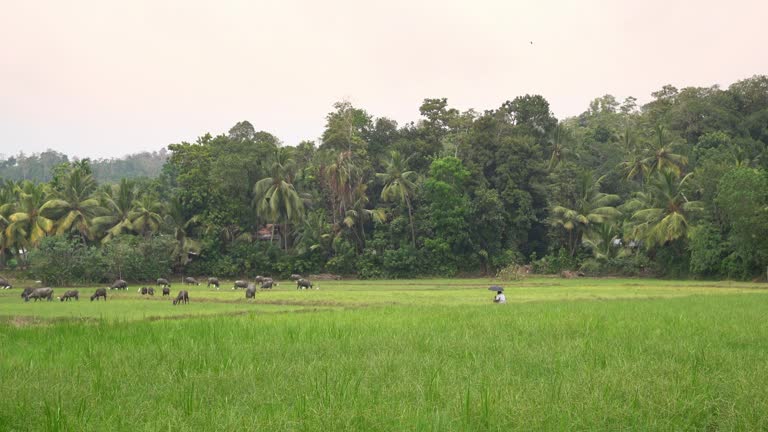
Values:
[(587, 354)]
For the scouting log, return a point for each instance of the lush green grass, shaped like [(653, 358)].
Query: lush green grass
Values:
[(383, 355)]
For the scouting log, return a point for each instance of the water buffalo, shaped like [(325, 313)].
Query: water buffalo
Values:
[(39, 294), (100, 292), (303, 284), (166, 291), (119, 284), (151, 291), (4, 284), (190, 281), (163, 282), (183, 297), (250, 292), (71, 294), (147, 290), (26, 292), (240, 284), (267, 283), (213, 281), (295, 277)]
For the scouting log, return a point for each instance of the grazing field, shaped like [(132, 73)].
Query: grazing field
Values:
[(585, 354)]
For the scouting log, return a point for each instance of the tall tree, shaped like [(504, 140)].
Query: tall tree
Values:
[(27, 226), (146, 215), (74, 205), (181, 225), (589, 208), (345, 129), (275, 198), (662, 213), (117, 200), (560, 141), (358, 215), (399, 185), (661, 154)]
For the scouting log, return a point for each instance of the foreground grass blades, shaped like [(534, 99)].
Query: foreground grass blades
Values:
[(412, 355)]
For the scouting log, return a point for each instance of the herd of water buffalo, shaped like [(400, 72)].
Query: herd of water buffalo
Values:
[(182, 297)]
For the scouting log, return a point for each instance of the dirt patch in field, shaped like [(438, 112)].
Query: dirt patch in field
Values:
[(21, 321), (228, 314)]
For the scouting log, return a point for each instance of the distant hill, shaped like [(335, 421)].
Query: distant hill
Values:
[(39, 166)]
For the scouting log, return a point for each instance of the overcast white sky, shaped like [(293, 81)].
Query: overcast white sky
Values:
[(97, 78)]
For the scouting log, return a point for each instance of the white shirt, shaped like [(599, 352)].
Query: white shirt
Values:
[(500, 298)]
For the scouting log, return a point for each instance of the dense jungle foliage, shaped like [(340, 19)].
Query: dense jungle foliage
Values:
[(676, 188)]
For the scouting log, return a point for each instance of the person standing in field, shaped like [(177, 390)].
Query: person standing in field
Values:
[(500, 297)]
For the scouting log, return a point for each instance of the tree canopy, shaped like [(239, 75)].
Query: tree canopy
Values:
[(673, 187)]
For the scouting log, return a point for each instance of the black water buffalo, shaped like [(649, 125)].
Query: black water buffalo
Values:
[(4, 284), (250, 292), (147, 290), (240, 284), (166, 291), (69, 295), (295, 277), (213, 281), (183, 297), (119, 284), (164, 282), (267, 283), (39, 294), (190, 281), (100, 292), (151, 291), (303, 284)]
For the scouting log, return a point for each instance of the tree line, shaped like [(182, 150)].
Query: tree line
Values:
[(41, 166), (675, 187)]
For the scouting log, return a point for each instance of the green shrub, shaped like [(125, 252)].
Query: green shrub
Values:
[(343, 261), (630, 265), (512, 272), (707, 249), (401, 263), (734, 266), (555, 263), (56, 261), (237, 259), (370, 265)]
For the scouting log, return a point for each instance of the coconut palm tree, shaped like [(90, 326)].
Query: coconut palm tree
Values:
[(315, 233), (275, 198), (340, 176), (358, 215), (600, 239), (8, 200), (146, 215), (635, 165), (661, 157), (590, 207), (74, 205), (560, 140), (181, 226), (26, 224), (662, 213), (118, 201), (399, 185)]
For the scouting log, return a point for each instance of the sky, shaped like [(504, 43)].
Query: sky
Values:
[(95, 78)]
